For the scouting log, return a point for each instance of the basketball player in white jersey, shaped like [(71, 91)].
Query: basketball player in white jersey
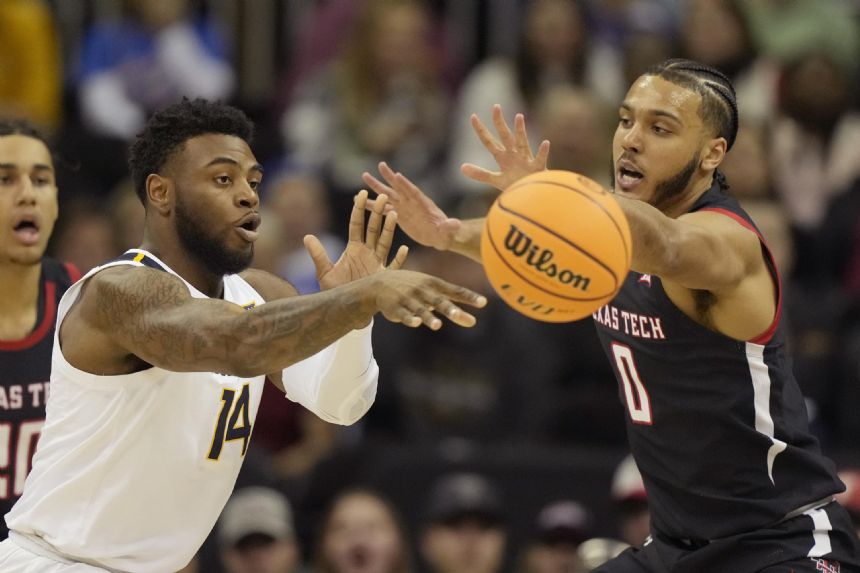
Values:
[(161, 355)]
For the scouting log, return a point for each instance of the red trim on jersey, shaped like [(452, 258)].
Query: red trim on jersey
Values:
[(74, 273), (48, 317), (765, 336)]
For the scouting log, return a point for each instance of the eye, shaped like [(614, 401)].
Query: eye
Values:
[(5, 179), (42, 181), (254, 184), (659, 130), (223, 180), (625, 121)]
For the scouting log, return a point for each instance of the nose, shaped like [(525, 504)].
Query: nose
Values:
[(631, 139), (27, 192), (247, 196)]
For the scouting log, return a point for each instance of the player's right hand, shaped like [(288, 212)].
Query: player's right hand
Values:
[(512, 152), (418, 215), (414, 298)]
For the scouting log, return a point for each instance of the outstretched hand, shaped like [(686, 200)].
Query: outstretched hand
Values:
[(365, 253), (414, 298), (511, 152), (419, 216)]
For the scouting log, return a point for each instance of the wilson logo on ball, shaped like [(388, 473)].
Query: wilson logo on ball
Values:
[(522, 246), (556, 246)]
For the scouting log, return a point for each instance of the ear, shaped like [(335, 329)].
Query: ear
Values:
[(159, 192), (713, 153)]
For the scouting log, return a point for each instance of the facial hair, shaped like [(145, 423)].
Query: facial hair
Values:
[(207, 248), (669, 191)]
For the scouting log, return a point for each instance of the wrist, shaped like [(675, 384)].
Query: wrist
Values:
[(361, 302)]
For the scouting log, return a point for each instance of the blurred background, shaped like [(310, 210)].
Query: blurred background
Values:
[(520, 421)]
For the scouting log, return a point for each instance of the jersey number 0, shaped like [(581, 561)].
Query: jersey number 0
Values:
[(638, 401)]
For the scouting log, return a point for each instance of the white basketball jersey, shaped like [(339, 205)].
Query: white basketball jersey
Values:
[(132, 471)]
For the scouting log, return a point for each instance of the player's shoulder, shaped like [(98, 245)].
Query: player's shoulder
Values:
[(132, 287), (270, 287)]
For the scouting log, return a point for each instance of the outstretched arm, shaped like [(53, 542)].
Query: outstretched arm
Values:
[(149, 314), (426, 223), (422, 219), (126, 315)]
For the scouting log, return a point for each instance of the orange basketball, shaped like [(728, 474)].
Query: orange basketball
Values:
[(556, 246)]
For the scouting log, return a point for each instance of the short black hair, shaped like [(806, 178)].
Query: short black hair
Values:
[(169, 128), (719, 107), (25, 127)]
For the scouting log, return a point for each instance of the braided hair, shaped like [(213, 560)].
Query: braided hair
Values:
[(719, 107)]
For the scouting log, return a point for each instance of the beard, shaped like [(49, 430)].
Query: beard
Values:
[(209, 249), (670, 191)]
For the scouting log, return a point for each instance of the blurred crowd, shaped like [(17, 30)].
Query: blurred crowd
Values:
[(335, 86)]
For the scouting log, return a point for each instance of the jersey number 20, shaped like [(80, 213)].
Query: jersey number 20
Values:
[(21, 451), (638, 401), (233, 421)]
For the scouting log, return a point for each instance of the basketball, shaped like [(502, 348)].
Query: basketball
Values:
[(556, 246)]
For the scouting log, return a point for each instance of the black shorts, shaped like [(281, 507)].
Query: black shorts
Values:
[(820, 541)]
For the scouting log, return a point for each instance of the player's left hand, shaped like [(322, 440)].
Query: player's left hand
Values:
[(511, 152), (366, 251)]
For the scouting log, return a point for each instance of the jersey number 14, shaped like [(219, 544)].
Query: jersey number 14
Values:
[(233, 421)]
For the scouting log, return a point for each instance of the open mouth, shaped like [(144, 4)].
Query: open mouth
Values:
[(27, 230), (247, 227), (628, 176)]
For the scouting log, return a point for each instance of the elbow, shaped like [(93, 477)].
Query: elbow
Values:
[(352, 407), (355, 413)]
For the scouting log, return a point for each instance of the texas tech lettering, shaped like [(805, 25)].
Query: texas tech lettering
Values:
[(24, 396), (638, 325), (522, 246)]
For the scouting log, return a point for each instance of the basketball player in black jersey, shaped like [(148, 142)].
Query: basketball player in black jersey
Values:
[(32, 285), (716, 421)]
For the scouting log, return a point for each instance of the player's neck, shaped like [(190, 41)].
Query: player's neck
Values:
[(20, 287), (698, 188), (186, 266)]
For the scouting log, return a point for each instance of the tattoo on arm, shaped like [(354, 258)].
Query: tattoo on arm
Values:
[(153, 316)]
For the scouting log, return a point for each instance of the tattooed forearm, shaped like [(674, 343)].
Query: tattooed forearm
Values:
[(283, 332), (154, 317)]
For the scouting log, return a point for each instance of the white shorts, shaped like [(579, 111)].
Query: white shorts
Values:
[(15, 559)]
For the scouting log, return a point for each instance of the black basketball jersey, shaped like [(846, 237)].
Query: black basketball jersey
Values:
[(25, 369), (718, 427)]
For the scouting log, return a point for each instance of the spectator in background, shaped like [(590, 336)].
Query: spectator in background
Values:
[(362, 533), (786, 29), (554, 48), (464, 529), (560, 528), (151, 58), (578, 125), (30, 76), (718, 33), (628, 493), (382, 98), (85, 236), (256, 533), (815, 148), (299, 203)]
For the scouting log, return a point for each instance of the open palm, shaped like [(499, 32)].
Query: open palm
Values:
[(365, 253), (418, 215), (511, 151)]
